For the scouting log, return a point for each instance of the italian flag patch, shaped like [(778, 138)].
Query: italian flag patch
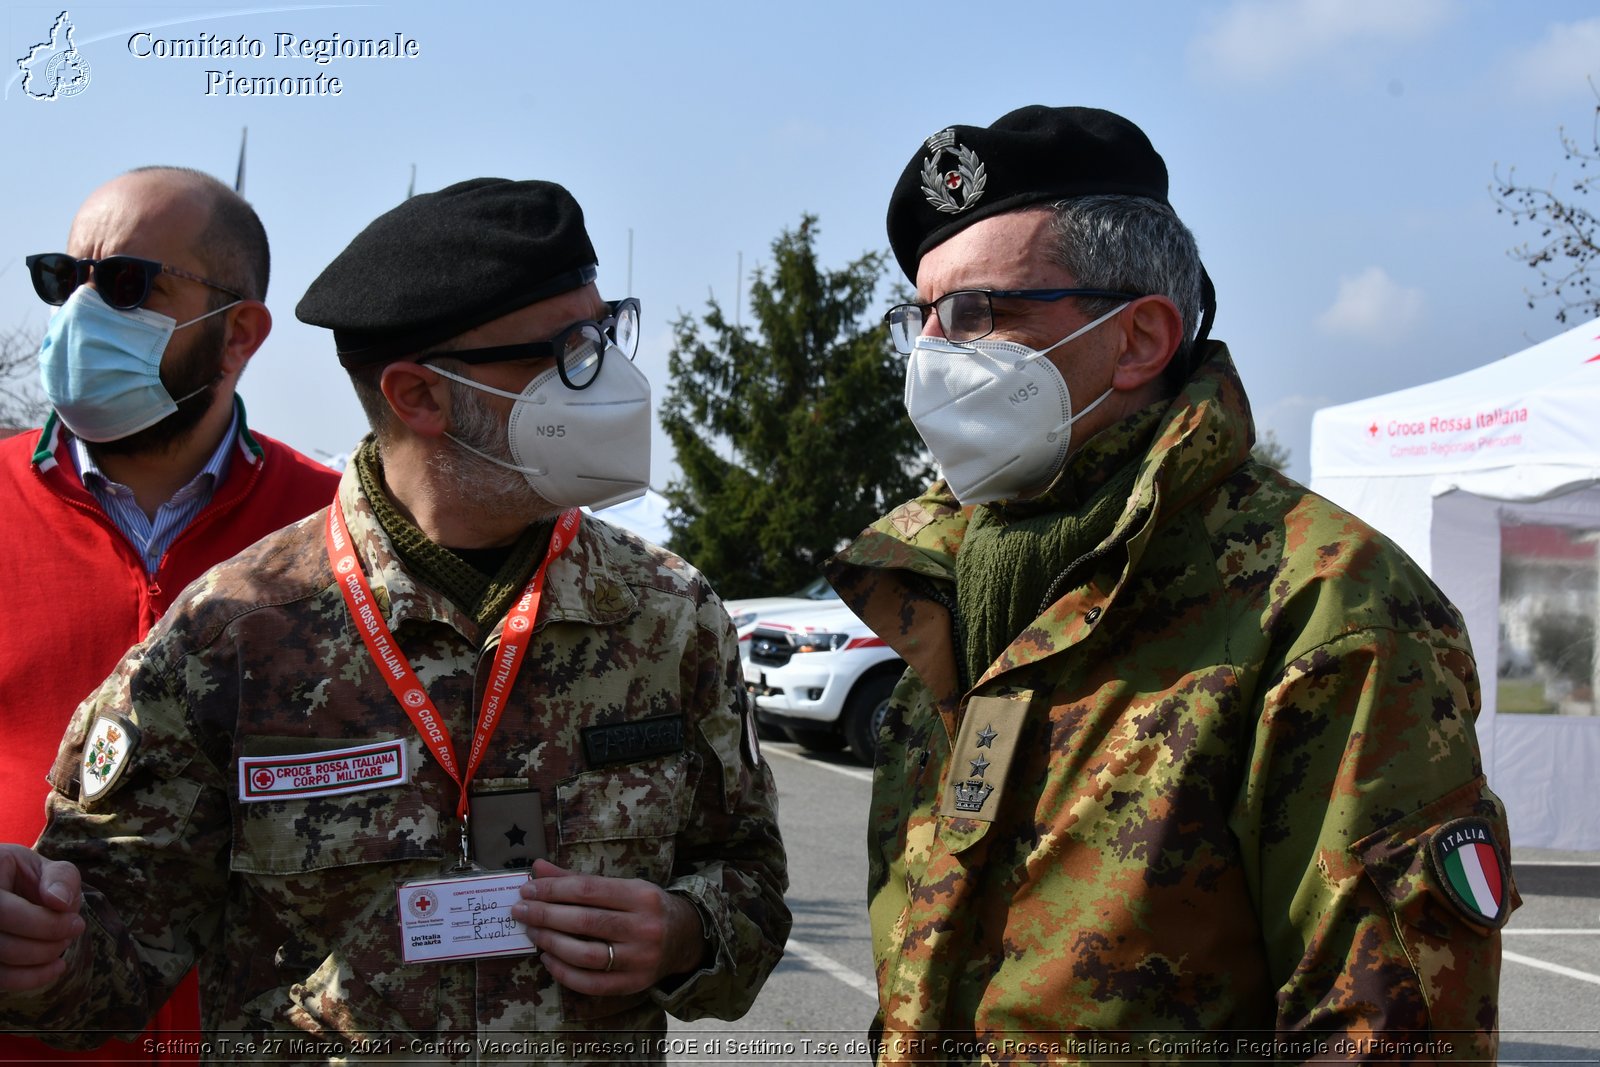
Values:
[(1468, 865)]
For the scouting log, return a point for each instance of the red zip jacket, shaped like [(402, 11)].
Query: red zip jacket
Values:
[(76, 598)]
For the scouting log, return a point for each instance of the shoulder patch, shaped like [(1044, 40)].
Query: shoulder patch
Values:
[(107, 751), (1469, 867)]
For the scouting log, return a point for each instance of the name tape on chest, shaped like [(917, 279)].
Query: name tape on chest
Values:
[(629, 742), (322, 774)]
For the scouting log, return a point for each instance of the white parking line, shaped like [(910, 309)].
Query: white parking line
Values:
[(857, 773), (831, 967), (1552, 933), (1554, 968)]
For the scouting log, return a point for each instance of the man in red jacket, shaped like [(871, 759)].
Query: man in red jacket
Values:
[(144, 475)]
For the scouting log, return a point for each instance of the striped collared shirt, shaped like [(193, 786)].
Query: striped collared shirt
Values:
[(152, 536)]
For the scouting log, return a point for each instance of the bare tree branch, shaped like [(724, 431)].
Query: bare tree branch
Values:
[(1566, 251), (22, 401)]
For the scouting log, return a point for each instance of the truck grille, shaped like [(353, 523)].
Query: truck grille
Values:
[(770, 648)]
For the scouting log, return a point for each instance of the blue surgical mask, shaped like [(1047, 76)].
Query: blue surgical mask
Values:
[(101, 368)]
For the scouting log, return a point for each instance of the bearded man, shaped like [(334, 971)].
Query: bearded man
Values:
[(145, 473), (449, 756)]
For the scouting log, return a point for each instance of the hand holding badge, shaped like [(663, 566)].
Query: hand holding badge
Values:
[(466, 914)]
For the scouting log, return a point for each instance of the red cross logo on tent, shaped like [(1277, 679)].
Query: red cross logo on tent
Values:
[(1373, 429)]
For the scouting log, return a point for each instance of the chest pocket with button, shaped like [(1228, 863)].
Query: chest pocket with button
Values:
[(315, 879)]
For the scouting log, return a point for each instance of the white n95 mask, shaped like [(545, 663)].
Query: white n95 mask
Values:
[(996, 415), (585, 447)]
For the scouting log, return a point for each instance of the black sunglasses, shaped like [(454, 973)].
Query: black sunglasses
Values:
[(580, 347), (122, 281)]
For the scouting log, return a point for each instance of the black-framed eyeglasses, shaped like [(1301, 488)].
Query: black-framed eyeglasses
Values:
[(968, 314), (578, 350), (122, 281)]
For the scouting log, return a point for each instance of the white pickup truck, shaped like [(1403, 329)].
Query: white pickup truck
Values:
[(823, 677)]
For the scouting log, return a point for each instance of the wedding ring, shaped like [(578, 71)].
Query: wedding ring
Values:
[(611, 957)]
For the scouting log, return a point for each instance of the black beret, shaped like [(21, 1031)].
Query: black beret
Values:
[(1034, 154), (442, 263)]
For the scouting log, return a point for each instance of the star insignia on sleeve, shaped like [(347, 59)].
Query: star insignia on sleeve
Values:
[(986, 737)]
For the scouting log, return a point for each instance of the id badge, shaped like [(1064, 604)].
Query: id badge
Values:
[(459, 917)]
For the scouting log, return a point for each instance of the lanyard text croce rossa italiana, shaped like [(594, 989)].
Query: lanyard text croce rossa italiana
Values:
[(403, 681)]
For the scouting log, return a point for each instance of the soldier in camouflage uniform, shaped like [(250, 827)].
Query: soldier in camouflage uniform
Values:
[(624, 770), (1183, 765)]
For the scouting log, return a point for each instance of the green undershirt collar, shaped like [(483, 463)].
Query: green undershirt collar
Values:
[(486, 597)]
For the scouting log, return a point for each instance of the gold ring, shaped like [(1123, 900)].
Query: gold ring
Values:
[(611, 957)]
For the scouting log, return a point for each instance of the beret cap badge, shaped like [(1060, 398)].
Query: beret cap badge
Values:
[(968, 178)]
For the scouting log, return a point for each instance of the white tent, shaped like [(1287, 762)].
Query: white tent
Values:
[(645, 515), (1491, 481)]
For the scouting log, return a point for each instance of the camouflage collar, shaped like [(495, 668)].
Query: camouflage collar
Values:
[(898, 575)]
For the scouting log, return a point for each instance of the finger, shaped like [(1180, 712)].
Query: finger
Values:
[(566, 961), (583, 953), (593, 890), (54, 884), (23, 921), (24, 979), (543, 868), (593, 924), (29, 951), (60, 886)]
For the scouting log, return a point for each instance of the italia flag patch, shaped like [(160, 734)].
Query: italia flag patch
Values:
[(1468, 864)]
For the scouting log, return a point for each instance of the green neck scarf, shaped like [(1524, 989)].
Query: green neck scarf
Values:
[(1014, 552), (485, 597)]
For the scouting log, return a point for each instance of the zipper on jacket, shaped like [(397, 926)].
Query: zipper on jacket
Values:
[(1094, 555), (213, 511)]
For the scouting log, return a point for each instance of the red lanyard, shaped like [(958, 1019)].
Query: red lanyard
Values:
[(403, 681)]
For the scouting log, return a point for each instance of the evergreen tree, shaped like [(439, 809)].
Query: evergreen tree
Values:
[(790, 434)]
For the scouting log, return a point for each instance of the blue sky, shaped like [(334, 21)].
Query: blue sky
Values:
[(1333, 157)]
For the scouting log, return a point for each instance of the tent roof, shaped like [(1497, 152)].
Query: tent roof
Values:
[(1532, 409)]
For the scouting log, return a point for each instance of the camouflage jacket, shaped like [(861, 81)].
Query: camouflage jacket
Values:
[(289, 905), (1203, 791)]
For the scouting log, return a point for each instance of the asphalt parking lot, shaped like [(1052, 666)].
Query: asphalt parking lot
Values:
[(817, 1005)]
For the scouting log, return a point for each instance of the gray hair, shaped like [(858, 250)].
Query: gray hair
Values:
[(365, 381), (1137, 245)]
